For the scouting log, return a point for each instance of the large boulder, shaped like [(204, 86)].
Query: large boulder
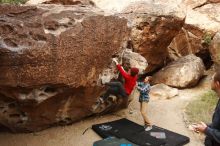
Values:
[(63, 2), (208, 17), (70, 2), (132, 59), (196, 34), (194, 3), (214, 1), (51, 59), (114, 6), (185, 72), (128, 59), (215, 49), (35, 2), (154, 25), (191, 40)]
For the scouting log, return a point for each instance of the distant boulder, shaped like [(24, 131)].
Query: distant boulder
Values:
[(215, 49), (182, 73)]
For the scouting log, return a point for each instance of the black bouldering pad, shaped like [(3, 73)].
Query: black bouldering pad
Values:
[(113, 141), (133, 132)]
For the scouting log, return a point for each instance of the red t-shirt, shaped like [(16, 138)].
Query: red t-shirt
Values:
[(130, 81)]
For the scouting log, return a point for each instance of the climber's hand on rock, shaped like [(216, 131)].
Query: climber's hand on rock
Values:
[(115, 60)]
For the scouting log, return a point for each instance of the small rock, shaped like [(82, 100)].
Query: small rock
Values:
[(162, 91)]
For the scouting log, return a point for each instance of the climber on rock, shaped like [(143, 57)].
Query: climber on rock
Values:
[(117, 88)]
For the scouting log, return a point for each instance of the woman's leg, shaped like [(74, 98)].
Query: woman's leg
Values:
[(144, 113)]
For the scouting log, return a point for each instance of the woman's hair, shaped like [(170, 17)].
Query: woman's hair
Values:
[(134, 71), (150, 78)]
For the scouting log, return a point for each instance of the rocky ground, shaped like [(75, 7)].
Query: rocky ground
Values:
[(165, 113)]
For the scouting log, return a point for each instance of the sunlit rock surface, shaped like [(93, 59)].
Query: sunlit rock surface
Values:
[(154, 25), (215, 49), (51, 59), (182, 73)]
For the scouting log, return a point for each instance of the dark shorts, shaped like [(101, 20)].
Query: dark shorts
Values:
[(144, 98), (115, 88)]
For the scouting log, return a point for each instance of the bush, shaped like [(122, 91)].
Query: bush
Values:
[(13, 1), (207, 38), (202, 108)]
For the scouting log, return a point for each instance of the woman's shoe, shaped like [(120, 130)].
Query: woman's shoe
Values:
[(148, 127)]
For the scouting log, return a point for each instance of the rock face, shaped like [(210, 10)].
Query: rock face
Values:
[(188, 41), (70, 2), (214, 1), (113, 6), (128, 59), (185, 72), (209, 17), (154, 25), (194, 3), (191, 40), (215, 48), (153, 28), (196, 35), (132, 59), (34, 2), (51, 58), (63, 2), (162, 91)]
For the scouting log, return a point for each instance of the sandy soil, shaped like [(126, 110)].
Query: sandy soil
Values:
[(164, 113)]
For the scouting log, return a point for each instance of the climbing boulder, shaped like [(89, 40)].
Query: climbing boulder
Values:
[(70, 2), (215, 48), (177, 33), (51, 58), (188, 41), (194, 3), (63, 2), (133, 59), (113, 6), (208, 17), (127, 59), (214, 1), (182, 73), (154, 25), (196, 34)]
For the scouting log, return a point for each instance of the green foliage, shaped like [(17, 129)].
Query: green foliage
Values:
[(207, 38), (202, 108), (13, 1)]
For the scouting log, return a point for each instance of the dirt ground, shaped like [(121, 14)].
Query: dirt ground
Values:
[(164, 113)]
